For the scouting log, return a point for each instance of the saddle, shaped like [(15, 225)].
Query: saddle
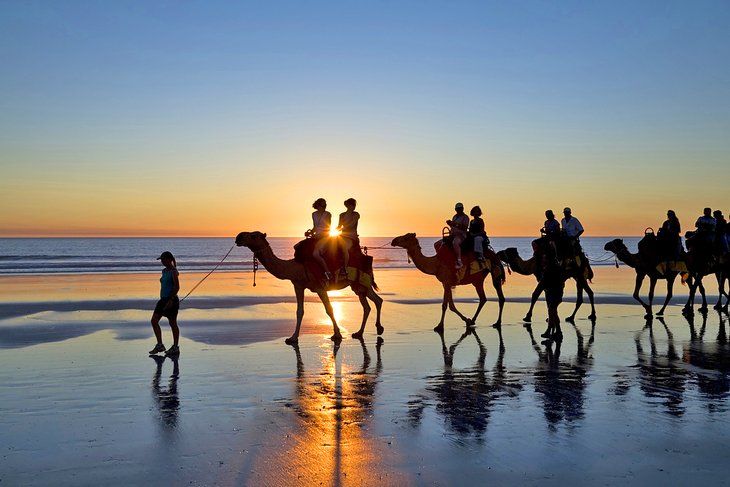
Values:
[(359, 264), (492, 262)]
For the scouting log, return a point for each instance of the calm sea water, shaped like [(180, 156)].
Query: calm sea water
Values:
[(110, 255)]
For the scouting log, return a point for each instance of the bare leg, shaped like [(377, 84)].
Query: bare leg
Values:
[(175, 330), (156, 327)]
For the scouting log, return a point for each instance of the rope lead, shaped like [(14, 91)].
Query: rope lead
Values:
[(206, 276)]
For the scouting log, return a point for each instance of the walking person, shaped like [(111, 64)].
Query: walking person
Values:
[(168, 305)]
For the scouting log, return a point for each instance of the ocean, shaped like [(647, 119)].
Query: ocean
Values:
[(28, 256)]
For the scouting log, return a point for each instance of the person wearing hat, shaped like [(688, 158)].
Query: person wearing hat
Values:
[(458, 226), (571, 225), (573, 230), (168, 305)]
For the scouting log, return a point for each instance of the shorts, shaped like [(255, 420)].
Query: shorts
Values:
[(171, 312), (553, 296)]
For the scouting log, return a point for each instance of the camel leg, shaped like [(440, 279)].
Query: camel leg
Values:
[(378, 301), (670, 287), (589, 292), (533, 299), (447, 297), (497, 283), (365, 314), (479, 287), (687, 310), (720, 289), (652, 288), (449, 301), (336, 336), (299, 291), (637, 288)]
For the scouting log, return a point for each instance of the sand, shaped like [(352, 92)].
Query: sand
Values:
[(620, 402)]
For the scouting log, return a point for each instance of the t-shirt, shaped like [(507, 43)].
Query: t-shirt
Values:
[(167, 284), (322, 222), (551, 226), (462, 220), (571, 227), (476, 227)]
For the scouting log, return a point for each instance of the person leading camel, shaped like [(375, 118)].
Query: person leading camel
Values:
[(322, 221), (458, 225), (347, 225)]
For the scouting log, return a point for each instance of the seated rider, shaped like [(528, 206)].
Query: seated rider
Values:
[(573, 230), (476, 230), (721, 242), (347, 225), (551, 227), (458, 225), (706, 228), (670, 236), (550, 231), (322, 220)]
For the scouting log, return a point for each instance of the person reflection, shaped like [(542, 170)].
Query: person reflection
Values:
[(661, 375), (465, 398), (711, 360), (166, 398), (561, 385)]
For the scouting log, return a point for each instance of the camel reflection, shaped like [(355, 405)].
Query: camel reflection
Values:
[(465, 398), (660, 374), (712, 360), (166, 398), (562, 384), (328, 443)]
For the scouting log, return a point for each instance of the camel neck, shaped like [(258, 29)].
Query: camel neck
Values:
[(521, 266), (279, 268), (427, 265), (627, 257)]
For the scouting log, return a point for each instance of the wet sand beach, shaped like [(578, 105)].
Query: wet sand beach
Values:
[(622, 401)]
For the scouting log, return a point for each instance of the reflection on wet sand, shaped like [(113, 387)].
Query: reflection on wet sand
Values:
[(660, 374), (166, 398), (712, 360), (329, 443), (465, 398), (561, 384)]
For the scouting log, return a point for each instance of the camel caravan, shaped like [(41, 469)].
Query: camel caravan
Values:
[(328, 259)]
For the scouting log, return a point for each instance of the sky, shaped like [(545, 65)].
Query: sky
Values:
[(207, 118)]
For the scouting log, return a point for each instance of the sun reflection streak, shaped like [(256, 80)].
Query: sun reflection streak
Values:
[(330, 444)]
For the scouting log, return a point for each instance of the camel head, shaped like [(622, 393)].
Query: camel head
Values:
[(616, 245), (405, 241), (508, 255), (252, 240)]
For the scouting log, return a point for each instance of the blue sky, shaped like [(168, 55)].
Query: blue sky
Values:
[(108, 105)]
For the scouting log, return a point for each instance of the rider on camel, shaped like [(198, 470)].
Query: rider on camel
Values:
[(458, 226)]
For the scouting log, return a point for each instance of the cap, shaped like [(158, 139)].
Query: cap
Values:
[(166, 255), (459, 205), (566, 210)]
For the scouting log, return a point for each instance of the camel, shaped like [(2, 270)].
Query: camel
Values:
[(644, 268), (702, 262), (302, 277), (529, 266), (446, 275)]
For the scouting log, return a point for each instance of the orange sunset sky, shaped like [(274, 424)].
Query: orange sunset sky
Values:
[(206, 119)]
